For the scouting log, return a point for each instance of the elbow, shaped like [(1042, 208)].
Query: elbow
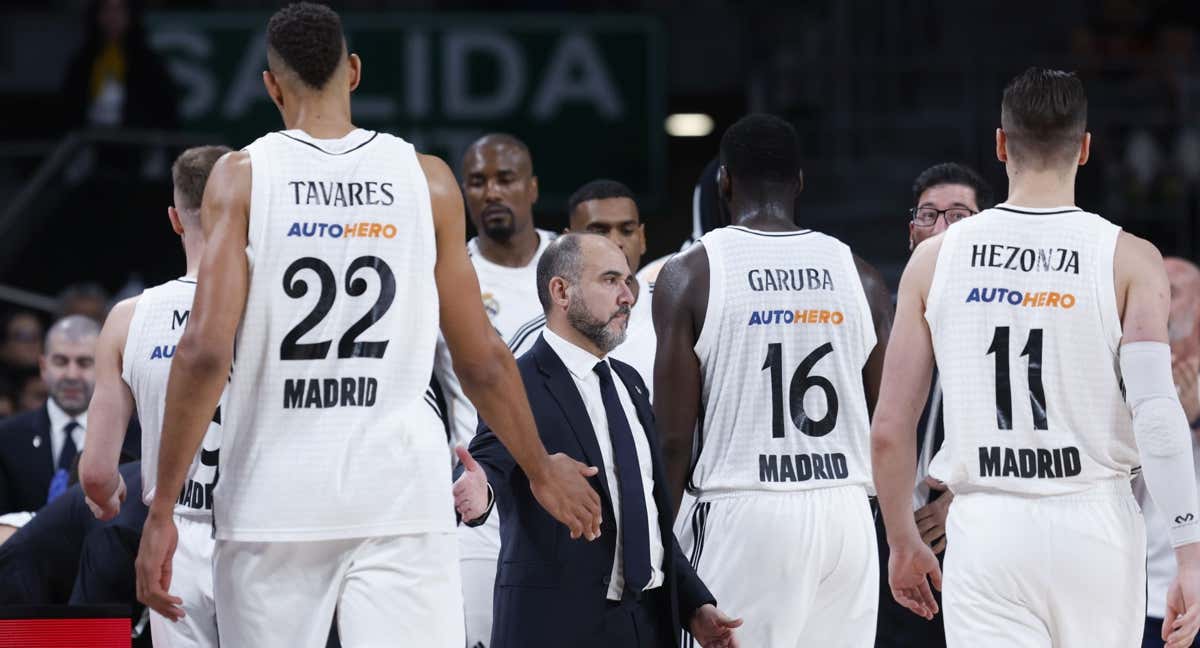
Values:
[(94, 479), (884, 441), (198, 358)]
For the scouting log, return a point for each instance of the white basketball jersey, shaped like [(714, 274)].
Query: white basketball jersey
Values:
[(159, 318), (328, 434), (1023, 314), (785, 338)]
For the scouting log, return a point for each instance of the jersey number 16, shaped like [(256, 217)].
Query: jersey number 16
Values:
[(801, 383)]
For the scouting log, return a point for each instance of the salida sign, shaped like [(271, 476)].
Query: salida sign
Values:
[(586, 93)]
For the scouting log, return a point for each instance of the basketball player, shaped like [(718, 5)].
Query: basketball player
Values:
[(766, 339), (133, 357), (332, 255), (500, 190), (1049, 327)]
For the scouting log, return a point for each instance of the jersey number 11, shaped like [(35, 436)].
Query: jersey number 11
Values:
[(1037, 393)]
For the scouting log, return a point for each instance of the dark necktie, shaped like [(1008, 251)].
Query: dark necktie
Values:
[(635, 532), (66, 456)]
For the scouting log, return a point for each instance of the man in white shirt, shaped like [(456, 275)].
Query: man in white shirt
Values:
[(634, 587), (607, 208)]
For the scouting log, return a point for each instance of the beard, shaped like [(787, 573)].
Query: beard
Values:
[(596, 329)]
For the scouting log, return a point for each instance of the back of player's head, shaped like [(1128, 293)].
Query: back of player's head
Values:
[(953, 173), (601, 189), (562, 258), (306, 39), (189, 174), (761, 149), (1044, 117)]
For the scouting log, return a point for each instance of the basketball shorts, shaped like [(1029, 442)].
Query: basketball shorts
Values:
[(800, 568), (1038, 572), (389, 590), (192, 581)]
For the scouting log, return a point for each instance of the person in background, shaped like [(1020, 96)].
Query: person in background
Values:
[(87, 298), (22, 341)]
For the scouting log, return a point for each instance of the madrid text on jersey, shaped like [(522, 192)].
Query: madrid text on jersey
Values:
[(802, 467), (1012, 257), (322, 393), (789, 279), (341, 194), (1029, 463)]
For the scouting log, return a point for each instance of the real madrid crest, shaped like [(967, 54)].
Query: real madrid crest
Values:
[(490, 304)]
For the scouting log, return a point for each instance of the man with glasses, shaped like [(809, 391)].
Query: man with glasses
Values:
[(943, 194)]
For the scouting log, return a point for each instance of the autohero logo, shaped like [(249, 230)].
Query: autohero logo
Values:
[(362, 230), (1039, 299), (795, 316)]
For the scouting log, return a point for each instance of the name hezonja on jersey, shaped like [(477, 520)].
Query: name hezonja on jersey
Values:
[(1012, 257)]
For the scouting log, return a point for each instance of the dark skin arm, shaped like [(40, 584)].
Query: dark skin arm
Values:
[(680, 302), (882, 314)]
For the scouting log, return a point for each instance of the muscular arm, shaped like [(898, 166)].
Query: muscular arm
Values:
[(882, 314), (484, 365), (680, 302), (109, 412), (201, 363), (907, 371)]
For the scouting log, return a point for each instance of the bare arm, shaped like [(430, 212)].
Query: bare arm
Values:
[(201, 363), (680, 300), (108, 415), (486, 369), (882, 314)]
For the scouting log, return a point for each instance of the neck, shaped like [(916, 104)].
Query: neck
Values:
[(557, 322), (1039, 189), (192, 252), (516, 252), (322, 116), (767, 216)]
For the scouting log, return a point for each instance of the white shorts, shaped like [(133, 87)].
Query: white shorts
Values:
[(1038, 572), (479, 550), (387, 590), (192, 581), (801, 568)]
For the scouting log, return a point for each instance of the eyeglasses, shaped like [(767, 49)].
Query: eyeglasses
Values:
[(928, 216)]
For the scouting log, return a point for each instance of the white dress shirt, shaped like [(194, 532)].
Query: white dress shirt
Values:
[(58, 429), (580, 363), (641, 342)]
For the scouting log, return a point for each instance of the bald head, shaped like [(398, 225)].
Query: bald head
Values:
[(72, 328), (1184, 277), (499, 188), (68, 365), (500, 142)]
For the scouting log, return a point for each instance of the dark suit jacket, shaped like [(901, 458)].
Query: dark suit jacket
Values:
[(551, 590), (26, 469)]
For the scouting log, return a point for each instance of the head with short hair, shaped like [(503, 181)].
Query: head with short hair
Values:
[(1043, 119), (948, 192), (499, 186), (585, 286), (68, 365), (760, 161), (86, 298), (608, 208), (305, 41), (22, 340), (189, 175)]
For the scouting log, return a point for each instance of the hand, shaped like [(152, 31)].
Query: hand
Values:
[(910, 568), (159, 537), (562, 489), (931, 518), (1186, 373), (471, 488), (712, 628), (1183, 602), (109, 509)]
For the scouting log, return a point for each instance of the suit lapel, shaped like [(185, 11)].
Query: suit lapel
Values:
[(561, 386), (43, 451)]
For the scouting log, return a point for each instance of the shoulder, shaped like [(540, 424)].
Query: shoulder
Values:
[(679, 271), (21, 425), (438, 174), (116, 325), (629, 374), (1136, 250)]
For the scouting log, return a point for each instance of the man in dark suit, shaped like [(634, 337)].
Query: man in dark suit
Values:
[(631, 586), (39, 448)]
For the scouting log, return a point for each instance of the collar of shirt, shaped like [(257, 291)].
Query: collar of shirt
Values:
[(579, 361), (58, 421)]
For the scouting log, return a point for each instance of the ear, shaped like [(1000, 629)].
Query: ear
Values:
[(800, 181), (641, 230), (1085, 149), (558, 292), (274, 91), (355, 72), (724, 184), (912, 237), (1001, 145), (533, 187), (176, 224)]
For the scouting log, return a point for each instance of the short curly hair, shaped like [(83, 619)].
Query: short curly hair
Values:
[(307, 38)]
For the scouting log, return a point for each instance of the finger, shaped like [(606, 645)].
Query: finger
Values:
[(586, 470), (939, 547), (730, 623), (922, 513), (926, 524), (935, 575), (466, 459)]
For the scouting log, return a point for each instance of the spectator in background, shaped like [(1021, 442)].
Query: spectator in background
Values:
[(38, 448), (1183, 332), (942, 195), (86, 298), (22, 341), (115, 79), (8, 401), (31, 392)]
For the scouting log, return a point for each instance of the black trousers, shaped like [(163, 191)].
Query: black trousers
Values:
[(640, 622), (1153, 635), (897, 627)]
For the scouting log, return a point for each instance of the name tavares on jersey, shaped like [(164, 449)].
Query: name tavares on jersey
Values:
[(341, 194)]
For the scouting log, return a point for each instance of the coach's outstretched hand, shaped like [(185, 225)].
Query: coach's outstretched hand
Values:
[(713, 628), (911, 567), (471, 488), (159, 538), (1183, 599), (561, 487)]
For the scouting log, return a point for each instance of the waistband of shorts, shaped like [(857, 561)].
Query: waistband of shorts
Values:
[(1108, 489), (709, 496)]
